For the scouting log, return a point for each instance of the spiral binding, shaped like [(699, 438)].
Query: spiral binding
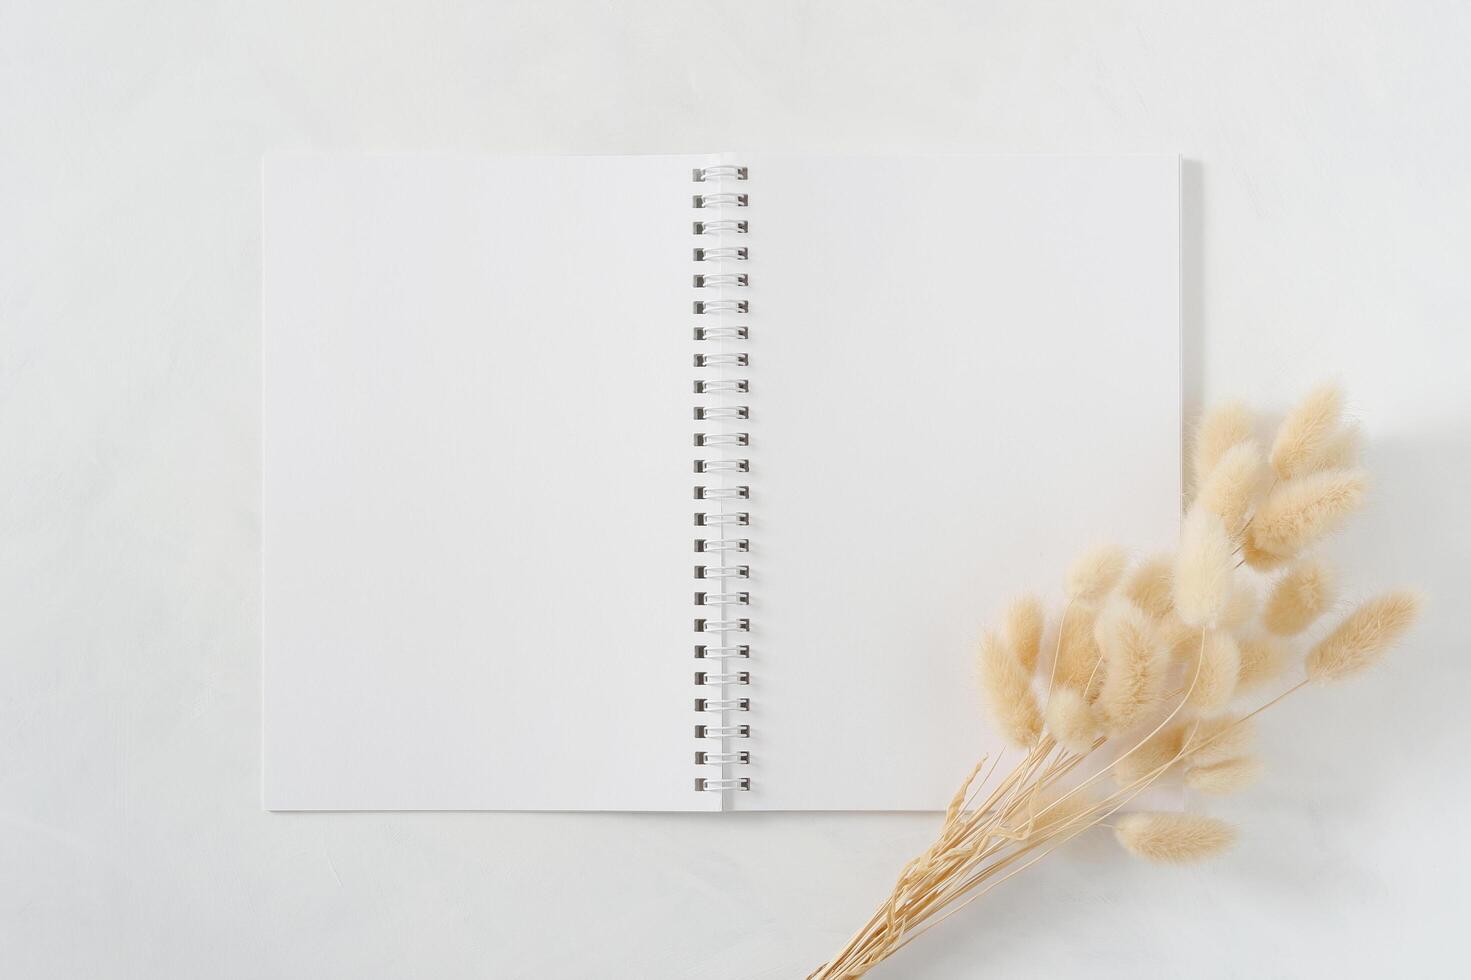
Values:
[(723, 576)]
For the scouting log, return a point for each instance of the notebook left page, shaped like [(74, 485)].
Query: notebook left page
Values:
[(476, 483)]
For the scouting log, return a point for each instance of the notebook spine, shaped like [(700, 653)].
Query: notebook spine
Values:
[(723, 484)]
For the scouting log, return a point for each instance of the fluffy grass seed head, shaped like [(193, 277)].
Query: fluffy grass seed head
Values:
[(1078, 656), (1306, 591), (1240, 608), (1303, 510), (1022, 630), (1095, 573), (1362, 639), (1233, 484), (1174, 838), (1204, 569), (1263, 660), (1007, 688), (1149, 587), (1224, 426), (1217, 739), (1215, 684), (1225, 777), (1049, 811), (1134, 671), (1071, 720), (1341, 451), (1160, 750), (1306, 432)]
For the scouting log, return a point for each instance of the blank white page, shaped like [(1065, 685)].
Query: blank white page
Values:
[(477, 484), (964, 371)]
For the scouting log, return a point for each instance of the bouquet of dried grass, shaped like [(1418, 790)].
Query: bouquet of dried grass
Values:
[(1134, 681)]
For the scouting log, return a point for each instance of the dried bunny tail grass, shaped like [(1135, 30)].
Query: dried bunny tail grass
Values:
[(1150, 589), (1048, 810), (1135, 672), (1179, 641), (1008, 691), (1095, 573), (1159, 750), (1240, 607), (1222, 427), (1215, 683), (1217, 739), (1232, 485), (1306, 431), (1364, 637), (1078, 655), (1204, 569), (1023, 631), (1263, 660), (1305, 592), (1174, 838), (1070, 720), (1224, 778), (1260, 560), (1340, 451), (1301, 511)]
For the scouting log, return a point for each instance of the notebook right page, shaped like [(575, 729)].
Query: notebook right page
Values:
[(964, 371)]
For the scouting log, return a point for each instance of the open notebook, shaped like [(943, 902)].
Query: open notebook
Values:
[(685, 482)]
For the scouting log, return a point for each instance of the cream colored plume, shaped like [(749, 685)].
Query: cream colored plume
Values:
[(1078, 656), (1258, 559), (1149, 588), (1204, 569), (1095, 573), (1174, 838), (1161, 749), (1306, 591), (1306, 432), (1240, 607), (1023, 630), (1050, 810), (1232, 486), (1364, 637), (1224, 426), (1008, 691), (1071, 720), (1303, 510), (1263, 660), (1217, 739), (1341, 451), (1224, 778), (1215, 683), (1134, 670)]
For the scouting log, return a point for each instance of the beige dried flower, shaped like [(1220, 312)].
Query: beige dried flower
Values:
[(1095, 573), (1364, 637), (1078, 655), (1071, 720), (1149, 587), (1008, 691), (1233, 484), (1135, 671), (1023, 630), (1204, 569), (1174, 838), (1224, 426), (1263, 660), (1215, 683), (1141, 676), (1305, 592), (1306, 432), (1216, 739), (1224, 778), (1303, 510)]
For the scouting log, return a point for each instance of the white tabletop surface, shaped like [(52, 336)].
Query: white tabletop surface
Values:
[(1328, 233)]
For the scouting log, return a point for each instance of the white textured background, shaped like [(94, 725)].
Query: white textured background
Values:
[(1329, 232)]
